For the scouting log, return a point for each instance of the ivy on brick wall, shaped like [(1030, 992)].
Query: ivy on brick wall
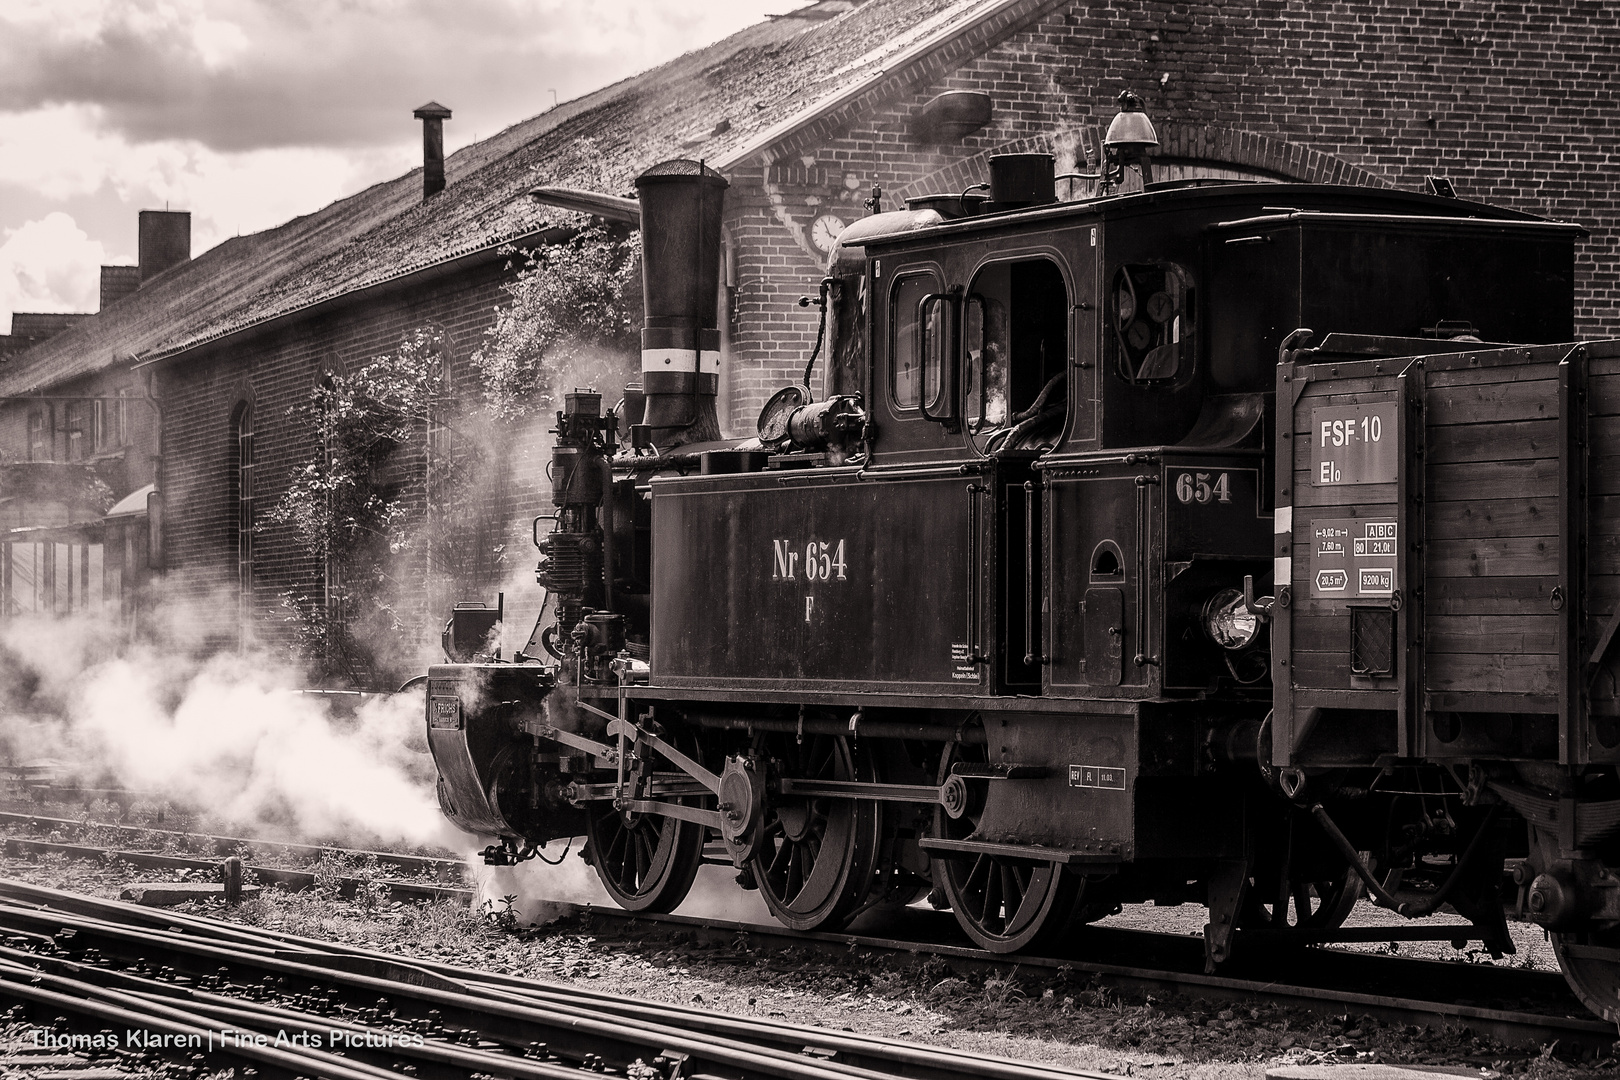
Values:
[(401, 498), (383, 505), (575, 319)]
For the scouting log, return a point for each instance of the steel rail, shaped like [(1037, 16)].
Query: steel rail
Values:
[(509, 1022), (1514, 1028), (69, 998), (868, 1052), (1508, 1026), (865, 1051), (227, 845), (250, 1016), (254, 1016), (296, 880)]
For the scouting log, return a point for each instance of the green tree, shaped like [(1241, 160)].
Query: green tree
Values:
[(377, 506), (405, 498), (575, 318)]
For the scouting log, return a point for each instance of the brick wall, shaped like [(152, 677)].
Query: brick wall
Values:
[(1510, 102), (276, 370)]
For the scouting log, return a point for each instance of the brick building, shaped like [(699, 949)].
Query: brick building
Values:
[(805, 114), (78, 445)]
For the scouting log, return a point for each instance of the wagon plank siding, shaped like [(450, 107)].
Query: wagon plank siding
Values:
[(1496, 673), (1491, 479), (1511, 557), (1496, 518), (1496, 441), (1467, 634), (1495, 403)]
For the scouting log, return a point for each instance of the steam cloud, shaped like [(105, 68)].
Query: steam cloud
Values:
[(227, 734), (223, 733)]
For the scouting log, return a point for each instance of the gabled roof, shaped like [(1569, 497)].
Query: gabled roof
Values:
[(785, 78)]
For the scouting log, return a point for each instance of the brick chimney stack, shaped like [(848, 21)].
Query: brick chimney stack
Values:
[(433, 115), (164, 240), (118, 282)]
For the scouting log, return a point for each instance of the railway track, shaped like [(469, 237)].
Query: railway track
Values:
[(444, 870), (1514, 1006), (161, 985)]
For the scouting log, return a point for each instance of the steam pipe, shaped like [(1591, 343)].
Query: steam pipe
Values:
[(604, 515), (821, 333), (876, 729)]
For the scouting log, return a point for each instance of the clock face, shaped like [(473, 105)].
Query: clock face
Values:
[(824, 232)]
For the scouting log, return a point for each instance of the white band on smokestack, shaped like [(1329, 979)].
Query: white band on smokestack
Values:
[(706, 362)]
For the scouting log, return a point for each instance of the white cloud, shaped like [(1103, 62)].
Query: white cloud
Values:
[(50, 265), (63, 152), (251, 112), (244, 74)]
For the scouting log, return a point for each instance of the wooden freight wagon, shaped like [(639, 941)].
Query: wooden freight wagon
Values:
[(1447, 554)]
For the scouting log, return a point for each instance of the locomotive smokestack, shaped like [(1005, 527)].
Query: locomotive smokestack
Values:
[(681, 204)]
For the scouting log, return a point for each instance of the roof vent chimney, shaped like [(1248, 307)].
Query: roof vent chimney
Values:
[(164, 241), (433, 115)]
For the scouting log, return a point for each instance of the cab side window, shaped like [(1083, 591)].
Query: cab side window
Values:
[(1151, 309), (1015, 351), (916, 341)]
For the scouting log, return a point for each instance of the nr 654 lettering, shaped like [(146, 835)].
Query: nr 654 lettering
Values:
[(817, 560)]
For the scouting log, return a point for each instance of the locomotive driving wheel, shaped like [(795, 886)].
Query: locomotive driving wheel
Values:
[(816, 857), (646, 862), (1004, 904)]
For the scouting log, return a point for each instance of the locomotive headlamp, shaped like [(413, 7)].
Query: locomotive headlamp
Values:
[(1130, 134), (1129, 141), (1228, 623)]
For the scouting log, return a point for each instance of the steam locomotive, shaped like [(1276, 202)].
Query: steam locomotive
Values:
[(1095, 578)]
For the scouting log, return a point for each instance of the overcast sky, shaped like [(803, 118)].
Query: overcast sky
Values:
[(250, 112)]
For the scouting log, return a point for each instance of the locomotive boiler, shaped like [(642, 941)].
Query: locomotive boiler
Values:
[(1251, 545)]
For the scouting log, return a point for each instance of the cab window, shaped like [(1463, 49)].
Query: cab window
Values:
[(1151, 308), (916, 341), (1015, 354)]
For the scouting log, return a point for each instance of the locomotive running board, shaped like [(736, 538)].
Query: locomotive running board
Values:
[(1033, 852)]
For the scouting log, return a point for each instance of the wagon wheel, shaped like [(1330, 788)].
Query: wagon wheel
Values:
[(1591, 965), (1322, 904), (1004, 904), (816, 861), (1303, 894), (646, 862)]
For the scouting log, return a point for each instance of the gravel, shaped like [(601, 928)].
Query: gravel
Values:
[(1060, 1017)]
